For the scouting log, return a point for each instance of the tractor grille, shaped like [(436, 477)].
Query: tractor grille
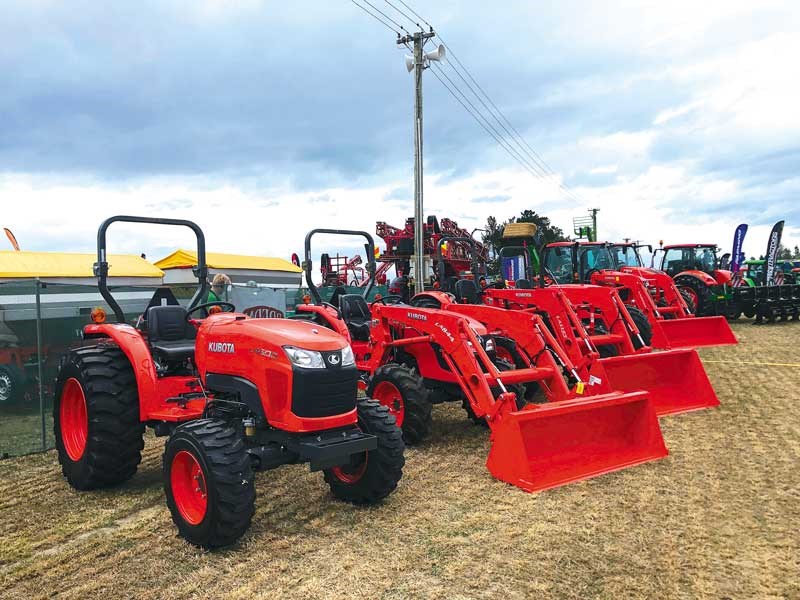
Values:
[(324, 392)]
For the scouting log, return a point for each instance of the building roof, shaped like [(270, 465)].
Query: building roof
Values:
[(183, 259), (26, 265)]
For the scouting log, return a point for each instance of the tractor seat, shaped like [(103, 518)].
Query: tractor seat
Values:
[(466, 291), (523, 284), (356, 314), (171, 337)]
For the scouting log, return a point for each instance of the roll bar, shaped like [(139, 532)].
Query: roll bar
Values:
[(369, 247), (100, 268)]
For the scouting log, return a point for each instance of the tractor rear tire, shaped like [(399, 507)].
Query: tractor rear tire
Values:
[(698, 291), (403, 392), (372, 475), (96, 418), (209, 483), (643, 325)]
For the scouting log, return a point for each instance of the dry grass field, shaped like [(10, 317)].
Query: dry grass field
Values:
[(718, 518)]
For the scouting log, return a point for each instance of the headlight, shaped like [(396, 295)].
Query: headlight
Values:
[(489, 346), (347, 357), (309, 359)]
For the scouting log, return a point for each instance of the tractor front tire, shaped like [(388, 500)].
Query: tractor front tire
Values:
[(403, 392), (9, 384), (96, 418), (372, 475), (643, 325), (209, 483), (689, 299)]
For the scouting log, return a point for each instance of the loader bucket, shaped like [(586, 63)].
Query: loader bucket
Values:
[(696, 332), (675, 380), (549, 445)]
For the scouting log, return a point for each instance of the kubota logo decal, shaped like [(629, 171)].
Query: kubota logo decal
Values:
[(417, 316), (223, 347), (524, 294)]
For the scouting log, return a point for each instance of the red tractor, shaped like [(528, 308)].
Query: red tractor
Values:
[(235, 395), (697, 271), (550, 426), (661, 313)]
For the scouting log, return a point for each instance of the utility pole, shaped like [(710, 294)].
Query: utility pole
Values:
[(418, 65)]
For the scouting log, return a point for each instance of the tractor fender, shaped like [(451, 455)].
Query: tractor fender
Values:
[(705, 278), (721, 276), (131, 342)]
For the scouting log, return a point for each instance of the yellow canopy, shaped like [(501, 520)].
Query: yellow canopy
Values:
[(25, 265), (216, 260)]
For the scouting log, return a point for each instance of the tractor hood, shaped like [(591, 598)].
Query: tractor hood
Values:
[(722, 276), (230, 327)]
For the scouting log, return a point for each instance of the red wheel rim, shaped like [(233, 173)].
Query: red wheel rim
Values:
[(389, 396), (189, 487), (73, 421), (504, 354), (352, 473)]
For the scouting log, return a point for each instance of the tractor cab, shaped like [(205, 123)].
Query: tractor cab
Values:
[(695, 257)]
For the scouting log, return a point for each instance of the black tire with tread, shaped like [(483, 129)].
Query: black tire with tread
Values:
[(417, 408), (643, 325), (10, 383), (384, 464), (115, 435), (689, 300), (230, 482), (704, 305)]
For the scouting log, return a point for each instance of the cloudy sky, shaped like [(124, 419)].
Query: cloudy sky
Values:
[(262, 119)]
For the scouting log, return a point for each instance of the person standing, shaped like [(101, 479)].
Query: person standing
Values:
[(218, 285)]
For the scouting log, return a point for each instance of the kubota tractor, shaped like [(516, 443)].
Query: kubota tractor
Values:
[(235, 395), (660, 312), (625, 368), (411, 356)]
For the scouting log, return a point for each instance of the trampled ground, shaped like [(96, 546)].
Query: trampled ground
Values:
[(718, 518)]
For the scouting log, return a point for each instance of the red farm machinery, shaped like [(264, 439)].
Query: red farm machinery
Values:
[(234, 395), (549, 424), (661, 311), (597, 333)]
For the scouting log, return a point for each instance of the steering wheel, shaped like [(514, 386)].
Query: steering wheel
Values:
[(588, 277), (395, 299), (226, 307)]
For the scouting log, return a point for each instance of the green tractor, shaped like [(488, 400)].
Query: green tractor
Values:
[(754, 297)]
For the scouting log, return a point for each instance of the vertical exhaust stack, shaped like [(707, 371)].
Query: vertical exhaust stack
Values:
[(554, 444)]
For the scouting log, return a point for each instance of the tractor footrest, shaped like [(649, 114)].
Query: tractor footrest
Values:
[(327, 449)]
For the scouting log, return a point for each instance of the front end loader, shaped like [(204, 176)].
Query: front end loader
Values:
[(671, 326), (410, 356)]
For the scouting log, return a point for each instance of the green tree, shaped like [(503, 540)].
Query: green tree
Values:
[(796, 253), (493, 236)]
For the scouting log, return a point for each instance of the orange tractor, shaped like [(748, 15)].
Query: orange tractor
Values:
[(663, 317), (235, 395), (550, 425), (597, 334)]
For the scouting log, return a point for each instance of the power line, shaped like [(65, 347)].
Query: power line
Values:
[(385, 15), (402, 13), (415, 13), (482, 121), (519, 139), (377, 18), (512, 132)]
